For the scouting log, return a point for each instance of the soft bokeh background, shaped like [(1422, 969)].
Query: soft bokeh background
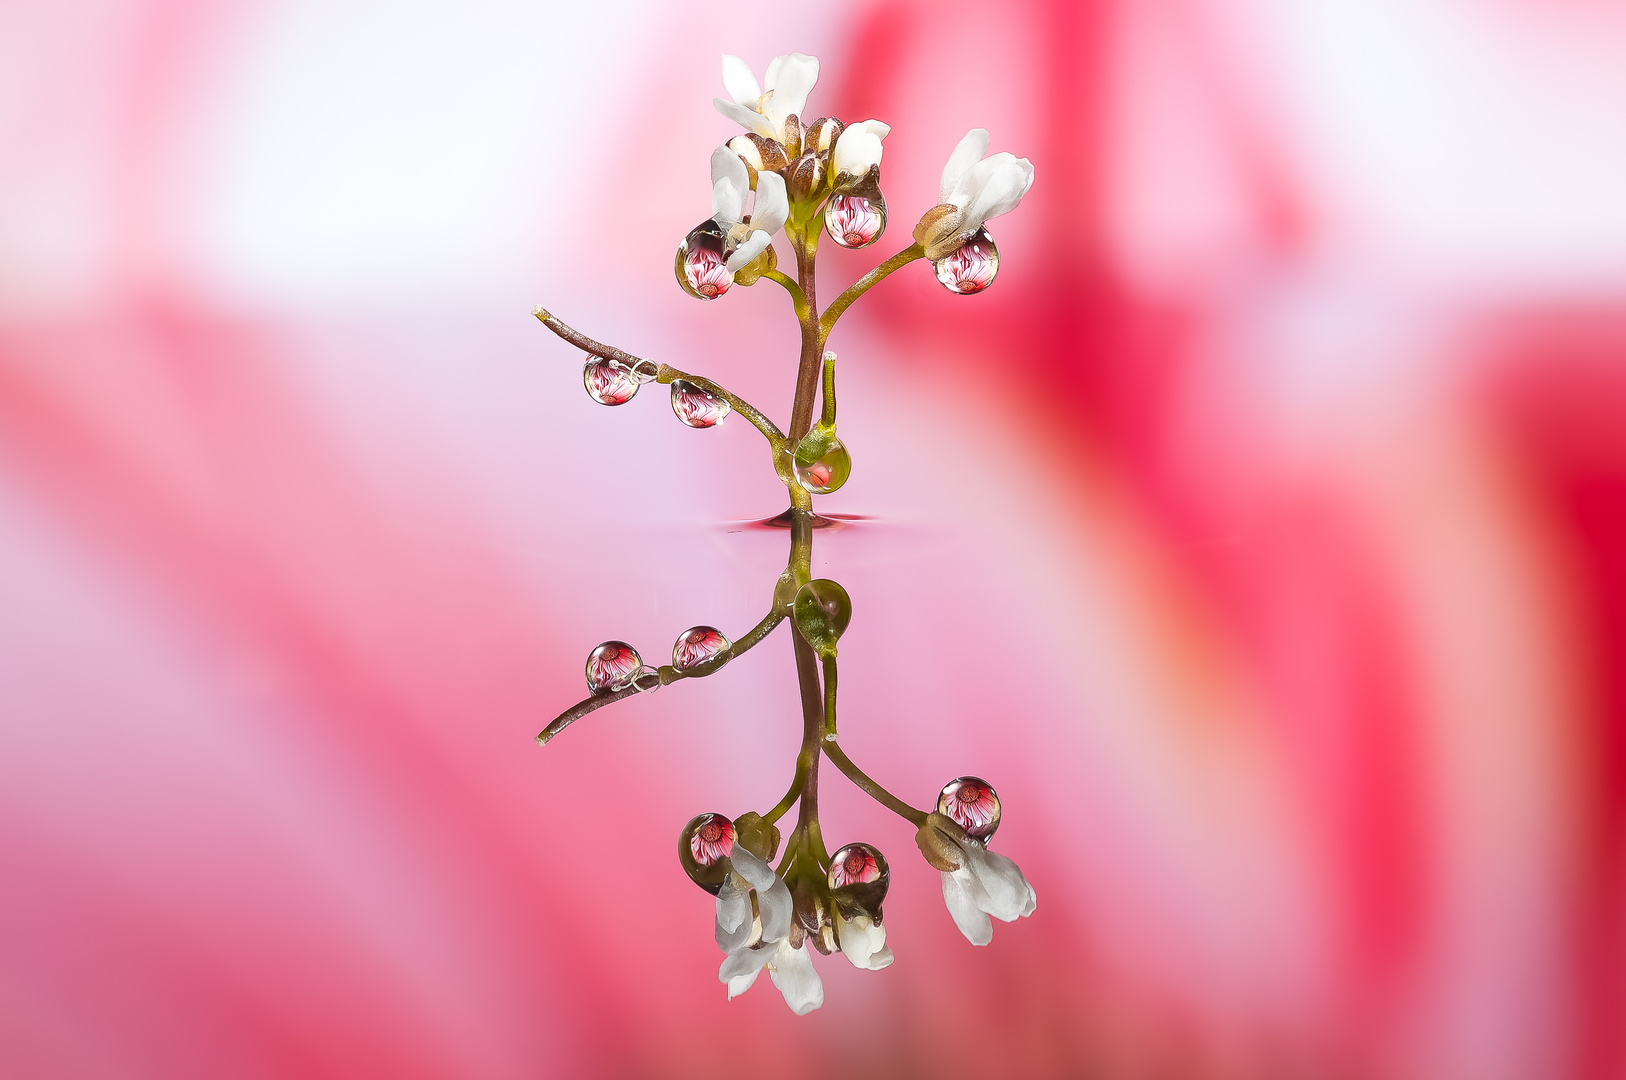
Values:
[(1261, 535)]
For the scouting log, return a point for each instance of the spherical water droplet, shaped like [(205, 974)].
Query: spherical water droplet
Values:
[(701, 268), (971, 267), (612, 666), (973, 805), (696, 407), (704, 847), (608, 382), (822, 611), (854, 221), (857, 864), (822, 463), (697, 645)]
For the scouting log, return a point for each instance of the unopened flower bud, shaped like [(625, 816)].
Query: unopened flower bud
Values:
[(804, 178), (757, 836), (759, 154), (939, 230), (823, 610), (822, 135), (939, 841)]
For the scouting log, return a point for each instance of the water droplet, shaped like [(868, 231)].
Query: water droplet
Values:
[(696, 407), (822, 611), (854, 221), (701, 267), (822, 463), (704, 847), (971, 267), (973, 805), (697, 645), (608, 382), (612, 666), (857, 864)]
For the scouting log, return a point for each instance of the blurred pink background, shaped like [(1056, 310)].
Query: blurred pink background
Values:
[(1261, 535)]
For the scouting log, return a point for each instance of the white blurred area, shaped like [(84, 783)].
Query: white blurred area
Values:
[(344, 153)]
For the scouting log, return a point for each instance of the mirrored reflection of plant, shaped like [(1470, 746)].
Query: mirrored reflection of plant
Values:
[(804, 180)]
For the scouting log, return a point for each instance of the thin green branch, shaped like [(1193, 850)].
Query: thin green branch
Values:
[(864, 284), (797, 298), (667, 373), (587, 344), (829, 664), (875, 791), (668, 675)]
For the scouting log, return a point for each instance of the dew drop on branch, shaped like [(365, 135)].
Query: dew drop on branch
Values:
[(612, 666), (696, 407), (608, 382), (969, 268)]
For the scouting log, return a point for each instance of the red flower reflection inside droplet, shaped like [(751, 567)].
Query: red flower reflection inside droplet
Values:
[(971, 267), (973, 805), (713, 840), (707, 273), (608, 383), (853, 221), (855, 864), (697, 645), (612, 666)]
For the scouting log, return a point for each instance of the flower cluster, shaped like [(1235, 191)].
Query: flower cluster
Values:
[(785, 176)]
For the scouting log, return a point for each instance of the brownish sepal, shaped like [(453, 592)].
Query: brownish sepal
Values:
[(939, 841)]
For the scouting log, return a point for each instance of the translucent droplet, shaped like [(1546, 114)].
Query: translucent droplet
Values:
[(696, 407), (822, 463), (612, 666), (822, 611), (971, 267), (607, 382), (857, 864), (647, 681), (973, 805), (704, 847), (854, 221), (697, 645), (701, 268)]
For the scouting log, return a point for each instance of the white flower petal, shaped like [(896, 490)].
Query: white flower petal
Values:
[(791, 79), (748, 866), (1006, 894), (971, 919), (863, 942), (739, 82), (727, 206), (726, 165), (1005, 182), (733, 906), (970, 150), (777, 908), (858, 148), (772, 208), (750, 249), (750, 119), (793, 974), (739, 984)]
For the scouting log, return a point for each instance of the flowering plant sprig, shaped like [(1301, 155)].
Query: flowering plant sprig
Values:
[(805, 180)]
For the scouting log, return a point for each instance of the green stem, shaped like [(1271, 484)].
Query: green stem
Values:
[(829, 665), (798, 298), (828, 419), (864, 284), (871, 788), (807, 371), (588, 345)]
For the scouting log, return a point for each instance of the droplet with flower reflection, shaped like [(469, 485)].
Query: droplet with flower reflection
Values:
[(703, 846), (701, 264), (857, 864), (969, 268), (973, 805), (822, 463), (698, 645), (608, 382), (612, 666), (696, 407), (854, 221)]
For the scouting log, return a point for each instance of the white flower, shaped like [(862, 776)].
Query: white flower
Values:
[(730, 183), (791, 969), (858, 148), (863, 940), (765, 109), (973, 190), (753, 905), (977, 882)]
